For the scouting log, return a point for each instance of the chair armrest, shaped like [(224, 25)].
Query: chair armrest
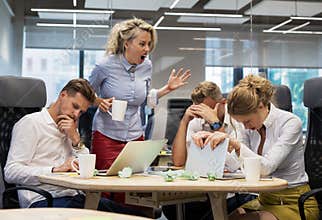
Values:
[(42, 192), (304, 197)]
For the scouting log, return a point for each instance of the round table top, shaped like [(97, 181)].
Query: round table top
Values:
[(153, 183), (62, 214)]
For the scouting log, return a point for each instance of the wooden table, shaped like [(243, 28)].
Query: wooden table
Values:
[(62, 214), (217, 190)]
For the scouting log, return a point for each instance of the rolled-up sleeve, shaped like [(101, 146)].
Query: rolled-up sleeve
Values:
[(96, 78), (152, 98)]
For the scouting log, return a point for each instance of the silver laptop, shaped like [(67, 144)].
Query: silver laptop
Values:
[(136, 154)]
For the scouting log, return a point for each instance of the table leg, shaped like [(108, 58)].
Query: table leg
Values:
[(218, 205), (92, 200), (180, 211)]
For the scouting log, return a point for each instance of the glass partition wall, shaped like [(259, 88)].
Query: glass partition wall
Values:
[(259, 39)]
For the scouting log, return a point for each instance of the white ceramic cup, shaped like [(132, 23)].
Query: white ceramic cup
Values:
[(86, 163), (118, 110), (251, 168)]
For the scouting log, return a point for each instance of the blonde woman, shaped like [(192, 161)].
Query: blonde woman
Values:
[(275, 136), (125, 74)]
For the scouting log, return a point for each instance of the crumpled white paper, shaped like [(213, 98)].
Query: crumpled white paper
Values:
[(126, 172), (205, 160)]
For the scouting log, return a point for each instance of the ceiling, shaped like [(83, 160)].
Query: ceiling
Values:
[(265, 13)]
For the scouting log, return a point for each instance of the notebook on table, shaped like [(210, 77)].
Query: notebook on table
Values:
[(136, 154)]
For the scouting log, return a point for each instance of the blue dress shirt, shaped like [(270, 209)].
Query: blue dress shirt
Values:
[(112, 77)]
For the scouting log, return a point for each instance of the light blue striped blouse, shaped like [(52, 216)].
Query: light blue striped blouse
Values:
[(111, 78)]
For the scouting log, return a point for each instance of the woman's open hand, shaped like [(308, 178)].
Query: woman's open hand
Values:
[(178, 79)]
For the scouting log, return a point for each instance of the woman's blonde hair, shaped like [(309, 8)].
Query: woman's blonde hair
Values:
[(248, 94), (205, 89), (126, 31)]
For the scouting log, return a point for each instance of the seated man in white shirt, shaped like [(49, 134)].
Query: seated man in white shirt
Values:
[(208, 113), (46, 142)]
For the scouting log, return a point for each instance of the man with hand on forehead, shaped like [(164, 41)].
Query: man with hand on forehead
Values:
[(46, 142), (207, 114)]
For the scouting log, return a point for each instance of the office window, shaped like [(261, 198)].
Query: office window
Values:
[(29, 64), (55, 66), (222, 76), (91, 57), (250, 70), (294, 79), (43, 65)]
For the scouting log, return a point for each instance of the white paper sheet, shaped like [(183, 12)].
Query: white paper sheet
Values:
[(205, 160)]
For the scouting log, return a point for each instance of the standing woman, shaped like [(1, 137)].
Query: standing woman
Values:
[(125, 74), (275, 136)]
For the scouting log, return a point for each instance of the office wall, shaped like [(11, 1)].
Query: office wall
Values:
[(166, 57), (234, 46), (7, 53), (11, 39)]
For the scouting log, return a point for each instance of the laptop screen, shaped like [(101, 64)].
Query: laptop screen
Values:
[(138, 155)]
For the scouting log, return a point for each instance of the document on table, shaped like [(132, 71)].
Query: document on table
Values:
[(206, 160)]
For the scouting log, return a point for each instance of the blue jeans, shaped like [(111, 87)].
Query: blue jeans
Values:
[(78, 201)]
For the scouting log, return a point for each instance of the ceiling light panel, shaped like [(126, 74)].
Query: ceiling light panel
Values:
[(209, 20), (187, 28), (148, 5), (203, 14), (144, 5), (184, 4), (69, 16), (71, 25), (286, 8), (226, 4)]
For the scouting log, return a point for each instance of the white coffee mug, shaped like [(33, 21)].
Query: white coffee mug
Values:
[(86, 163), (118, 110), (251, 168)]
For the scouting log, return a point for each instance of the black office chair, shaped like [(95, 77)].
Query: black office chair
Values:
[(282, 98), (312, 99), (19, 96), (176, 109)]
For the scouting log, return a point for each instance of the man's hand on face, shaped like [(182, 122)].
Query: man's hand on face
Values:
[(68, 126), (189, 115), (204, 111)]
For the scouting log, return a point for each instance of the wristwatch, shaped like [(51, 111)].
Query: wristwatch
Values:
[(216, 125)]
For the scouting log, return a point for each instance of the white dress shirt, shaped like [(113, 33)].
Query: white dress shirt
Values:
[(36, 147), (283, 150)]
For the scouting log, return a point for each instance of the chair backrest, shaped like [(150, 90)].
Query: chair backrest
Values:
[(149, 126), (282, 97), (313, 151), (176, 109), (19, 96)]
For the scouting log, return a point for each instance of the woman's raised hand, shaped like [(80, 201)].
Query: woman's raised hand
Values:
[(178, 79)]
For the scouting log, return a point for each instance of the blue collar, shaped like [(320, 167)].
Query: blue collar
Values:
[(125, 63)]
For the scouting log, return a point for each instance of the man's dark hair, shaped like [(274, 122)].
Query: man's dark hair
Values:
[(82, 86)]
